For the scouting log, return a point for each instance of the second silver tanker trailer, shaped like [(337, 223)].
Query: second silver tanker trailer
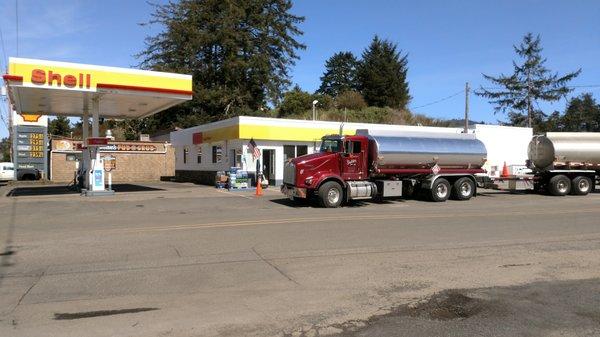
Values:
[(565, 162), (387, 165)]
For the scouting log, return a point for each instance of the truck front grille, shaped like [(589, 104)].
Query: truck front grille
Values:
[(289, 174)]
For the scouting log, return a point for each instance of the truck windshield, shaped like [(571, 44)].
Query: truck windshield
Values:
[(331, 145)]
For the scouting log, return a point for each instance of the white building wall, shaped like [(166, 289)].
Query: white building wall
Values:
[(504, 144)]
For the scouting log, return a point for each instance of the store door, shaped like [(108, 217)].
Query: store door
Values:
[(269, 165)]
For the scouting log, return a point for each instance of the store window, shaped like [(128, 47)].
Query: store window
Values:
[(199, 154), (217, 154), (293, 151), (186, 151), (301, 150), (289, 152)]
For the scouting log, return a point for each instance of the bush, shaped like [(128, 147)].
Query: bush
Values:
[(351, 100), (326, 102), (372, 114), (295, 102)]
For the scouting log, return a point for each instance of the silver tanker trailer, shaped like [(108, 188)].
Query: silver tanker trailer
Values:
[(565, 162)]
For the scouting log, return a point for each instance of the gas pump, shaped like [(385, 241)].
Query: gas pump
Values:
[(94, 172)]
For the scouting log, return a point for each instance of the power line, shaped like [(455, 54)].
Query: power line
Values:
[(438, 101)]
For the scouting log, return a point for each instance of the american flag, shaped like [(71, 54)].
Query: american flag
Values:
[(255, 150)]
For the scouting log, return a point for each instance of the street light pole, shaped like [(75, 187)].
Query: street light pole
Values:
[(314, 108), (467, 89)]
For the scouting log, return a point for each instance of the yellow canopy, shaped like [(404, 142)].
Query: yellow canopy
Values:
[(59, 88)]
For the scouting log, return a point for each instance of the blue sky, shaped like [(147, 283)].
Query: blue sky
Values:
[(448, 42)]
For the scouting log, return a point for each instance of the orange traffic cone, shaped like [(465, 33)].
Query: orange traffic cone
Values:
[(504, 171), (259, 191)]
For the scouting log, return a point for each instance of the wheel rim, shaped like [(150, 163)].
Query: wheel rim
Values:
[(584, 185), (561, 186), (442, 190), (333, 196), (465, 189)]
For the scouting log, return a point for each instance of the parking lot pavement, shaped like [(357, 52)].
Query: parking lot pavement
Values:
[(188, 260)]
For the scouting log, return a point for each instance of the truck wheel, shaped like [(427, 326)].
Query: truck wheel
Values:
[(331, 194), (463, 189), (559, 185), (440, 190), (581, 185)]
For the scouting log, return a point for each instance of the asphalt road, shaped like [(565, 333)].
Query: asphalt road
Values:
[(185, 260)]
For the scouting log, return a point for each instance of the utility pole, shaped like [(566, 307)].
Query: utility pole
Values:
[(466, 130)]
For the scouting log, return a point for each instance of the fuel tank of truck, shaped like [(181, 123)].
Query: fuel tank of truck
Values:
[(425, 149), (564, 147)]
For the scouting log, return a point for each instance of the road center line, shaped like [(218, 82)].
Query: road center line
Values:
[(243, 223)]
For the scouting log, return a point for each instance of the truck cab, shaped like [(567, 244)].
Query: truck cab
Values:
[(340, 159)]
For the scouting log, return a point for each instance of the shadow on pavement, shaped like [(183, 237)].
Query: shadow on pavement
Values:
[(63, 189), (303, 203)]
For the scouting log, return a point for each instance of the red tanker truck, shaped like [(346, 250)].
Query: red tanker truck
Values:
[(377, 165)]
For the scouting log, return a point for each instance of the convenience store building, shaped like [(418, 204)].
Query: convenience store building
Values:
[(203, 150)]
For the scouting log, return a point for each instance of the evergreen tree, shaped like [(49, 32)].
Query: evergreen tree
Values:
[(5, 144), (382, 75), (582, 114), (530, 82), (238, 51), (60, 126), (339, 75)]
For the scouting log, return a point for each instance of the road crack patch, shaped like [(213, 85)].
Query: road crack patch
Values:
[(274, 266), (99, 313)]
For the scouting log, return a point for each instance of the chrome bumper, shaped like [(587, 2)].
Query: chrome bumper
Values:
[(293, 192)]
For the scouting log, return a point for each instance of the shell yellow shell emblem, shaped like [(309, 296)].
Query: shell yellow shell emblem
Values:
[(31, 118)]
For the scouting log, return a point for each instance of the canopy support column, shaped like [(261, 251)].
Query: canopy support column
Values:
[(95, 116), (85, 153)]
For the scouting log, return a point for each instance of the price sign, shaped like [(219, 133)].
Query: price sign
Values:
[(30, 147)]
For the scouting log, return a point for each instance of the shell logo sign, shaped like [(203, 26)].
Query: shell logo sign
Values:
[(31, 118), (39, 77)]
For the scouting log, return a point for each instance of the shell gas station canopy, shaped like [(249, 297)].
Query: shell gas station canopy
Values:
[(59, 88), (37, 87)]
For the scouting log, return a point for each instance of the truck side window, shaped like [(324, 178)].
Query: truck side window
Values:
[(356, 147), (348, 146)]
